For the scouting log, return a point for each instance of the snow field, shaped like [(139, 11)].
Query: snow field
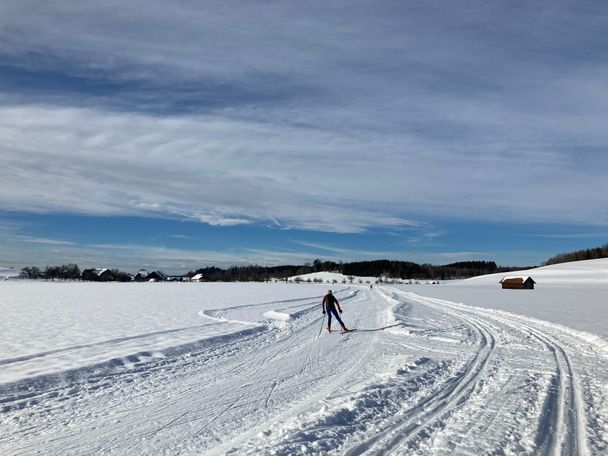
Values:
[(249, 369)]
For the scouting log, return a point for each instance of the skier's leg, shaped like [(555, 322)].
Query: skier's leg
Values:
[(344, 328), (338, 317), (329, 319)]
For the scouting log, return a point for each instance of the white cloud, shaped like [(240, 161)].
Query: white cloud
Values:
[(312, 116), (35, 240)]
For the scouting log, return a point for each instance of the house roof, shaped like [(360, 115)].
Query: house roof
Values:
[(517, 280), (157, 274), (96, 271)]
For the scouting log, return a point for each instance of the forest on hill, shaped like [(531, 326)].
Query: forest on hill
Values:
[(585, 254), (375, 268)]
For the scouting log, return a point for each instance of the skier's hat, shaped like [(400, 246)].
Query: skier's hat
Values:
[(328, 291)]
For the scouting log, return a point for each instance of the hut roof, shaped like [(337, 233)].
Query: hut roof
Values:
[(516, 280)]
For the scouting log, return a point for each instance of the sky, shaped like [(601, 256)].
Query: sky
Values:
[(176, 135)]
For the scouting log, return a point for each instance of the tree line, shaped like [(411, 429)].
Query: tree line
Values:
[(64, 272), (69, 271), (257, 273), (585, 254), (376, 268)]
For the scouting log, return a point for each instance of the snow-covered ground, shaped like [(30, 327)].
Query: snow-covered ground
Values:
[(168, 368), (8, 273), (335, 278), (570, 294)]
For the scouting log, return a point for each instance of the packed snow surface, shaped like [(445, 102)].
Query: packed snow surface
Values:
[(159, 368)]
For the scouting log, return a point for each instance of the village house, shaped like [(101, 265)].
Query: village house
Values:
[(156, 276), (141, 276), (98, 275), (145, 276)]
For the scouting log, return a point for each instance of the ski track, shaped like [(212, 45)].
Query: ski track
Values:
[(420, 376), (562, 423)]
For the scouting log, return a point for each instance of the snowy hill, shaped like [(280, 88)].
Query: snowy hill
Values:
[(577, 272), (569, 294), (339, 278), (332, 277)]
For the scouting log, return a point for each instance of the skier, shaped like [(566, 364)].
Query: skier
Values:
[(330, 303)]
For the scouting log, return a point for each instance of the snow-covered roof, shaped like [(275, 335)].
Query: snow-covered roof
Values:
[(516, 279), (99, 271)]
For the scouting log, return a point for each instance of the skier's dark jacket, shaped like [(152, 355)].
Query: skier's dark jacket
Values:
[(329, 301)]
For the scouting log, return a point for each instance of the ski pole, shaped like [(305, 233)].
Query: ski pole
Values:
[(321, 328)]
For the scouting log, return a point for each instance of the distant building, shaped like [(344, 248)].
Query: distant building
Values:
[(175, 278), (141, 276), (156, 276), (518, 283), (198, 278), (98, 275)]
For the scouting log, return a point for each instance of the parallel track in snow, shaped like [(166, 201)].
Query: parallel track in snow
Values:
[(420, 376), (564, 432), (432, 407), (562, 427)]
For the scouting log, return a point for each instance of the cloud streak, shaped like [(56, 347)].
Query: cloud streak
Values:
[(338, 118)]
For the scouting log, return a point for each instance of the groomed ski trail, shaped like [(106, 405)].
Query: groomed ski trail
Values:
[(420, 376)]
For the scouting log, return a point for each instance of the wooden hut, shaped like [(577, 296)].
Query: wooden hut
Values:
[(518, 283)]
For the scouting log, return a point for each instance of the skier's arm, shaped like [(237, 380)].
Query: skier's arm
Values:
[(323, 303), (338, 306)]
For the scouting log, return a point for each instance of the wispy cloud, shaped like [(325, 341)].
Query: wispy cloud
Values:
[(337, 117), (130, 257), (180, 236), (36, 240), (463, 256)]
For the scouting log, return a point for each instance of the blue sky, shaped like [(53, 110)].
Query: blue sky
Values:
[(180, 134)]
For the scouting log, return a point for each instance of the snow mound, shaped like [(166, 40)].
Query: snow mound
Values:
[(332, 277), (279, 316)]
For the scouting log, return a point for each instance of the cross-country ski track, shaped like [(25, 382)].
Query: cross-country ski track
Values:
[(420, 376)]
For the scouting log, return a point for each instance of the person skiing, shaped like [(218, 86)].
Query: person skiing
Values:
[(329, 304)]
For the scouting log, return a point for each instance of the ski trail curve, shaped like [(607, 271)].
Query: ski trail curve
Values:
[(562, 422)]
